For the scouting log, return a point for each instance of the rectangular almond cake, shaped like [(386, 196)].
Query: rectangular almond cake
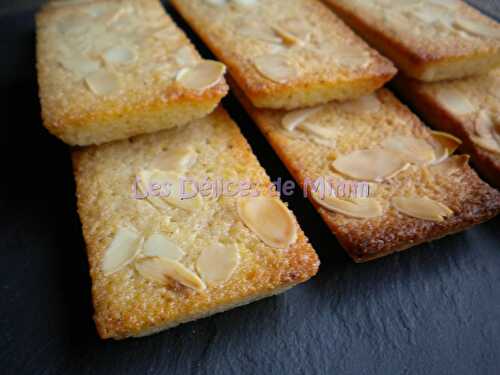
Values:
[(393, 183), (430, 40), (112, 69), (287, 53), (468, 108), (159, 253)]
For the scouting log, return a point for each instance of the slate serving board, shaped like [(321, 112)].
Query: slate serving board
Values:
[(434, 309)]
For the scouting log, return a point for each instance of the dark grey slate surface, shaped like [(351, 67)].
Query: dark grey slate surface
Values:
[(434, 309)]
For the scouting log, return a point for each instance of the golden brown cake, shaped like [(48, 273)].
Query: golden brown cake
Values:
[(468, 108), (157, 260), (109, 70), (287, 53), (392, 183), (430, 40)]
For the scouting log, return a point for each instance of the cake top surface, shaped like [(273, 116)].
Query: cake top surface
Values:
[(221, 249), (432, 29), (283, 42), (391, 178), (475, 103), (113, 56)]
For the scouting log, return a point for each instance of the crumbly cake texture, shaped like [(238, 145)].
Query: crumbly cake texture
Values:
[(287, 53), (107, 71), (344, 130), (128, 304), (480, 97), (429, 40)]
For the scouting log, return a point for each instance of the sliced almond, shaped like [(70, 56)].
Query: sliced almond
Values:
[(397, 21), (444, 24), (488, 144), (445, 145), (432, 14), (120, 55), (202, 76), (484, 125), (277, 48), (164, 34), (159, 269), (78, 31), (269, 219), (79, 64), (183, 194), (217, 2), (103, 82), (164, 72), (245, 3), (176, 190), (145, 186), (454, 101), (412, 150), (361, 208), (151, 269), (288, 38), (449, 4), (65, 51), (299, 27), (275, 67), (400, 4), (123, 249), (450, 165), (179, 159), (370, 165), (424, 14), (217, 263), (57, 3), (476, 28), (100, 45), (353, 59), (422, 208), (186, 56), (158, 245), (345, 55), (74, 24), (268, 36), (347, 189), (326, 132), (294, 118), (101, 9), (119, 13), (322, 141), (124, 24), (365, 104)]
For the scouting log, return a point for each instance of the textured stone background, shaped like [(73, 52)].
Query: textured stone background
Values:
[(434, 309)]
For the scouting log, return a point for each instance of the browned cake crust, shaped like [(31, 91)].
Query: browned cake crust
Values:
[(427, 40), (482, 93), (328, 60), (130, 53), (126, 303), (471, 200)]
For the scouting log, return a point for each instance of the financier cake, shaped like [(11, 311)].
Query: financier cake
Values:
[(287, 53), (389, 183), (112, 69), (468, 108), (429, 40), (160, 256)]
